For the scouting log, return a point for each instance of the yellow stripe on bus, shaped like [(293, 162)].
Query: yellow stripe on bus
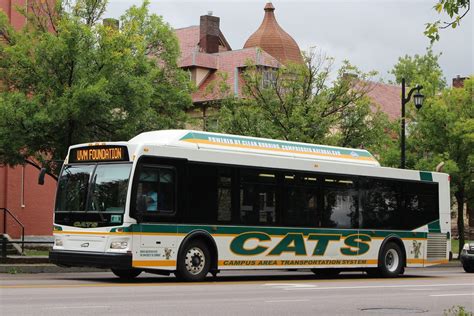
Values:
[(437, 261), (202, 141), (280, 262), (63, 232), (154, 263)]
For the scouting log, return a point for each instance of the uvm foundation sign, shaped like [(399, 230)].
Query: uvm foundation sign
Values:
[(98, 153)]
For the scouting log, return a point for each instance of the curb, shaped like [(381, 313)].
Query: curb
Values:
[(44, 268)]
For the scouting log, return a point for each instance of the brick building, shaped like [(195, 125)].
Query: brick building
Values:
[(211, 62), (30, 203)]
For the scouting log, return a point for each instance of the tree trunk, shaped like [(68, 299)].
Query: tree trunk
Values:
[(460, 201)]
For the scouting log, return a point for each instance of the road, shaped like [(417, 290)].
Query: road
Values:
[(430, 291)]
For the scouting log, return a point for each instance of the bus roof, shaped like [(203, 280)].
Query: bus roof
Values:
[(254, 145)]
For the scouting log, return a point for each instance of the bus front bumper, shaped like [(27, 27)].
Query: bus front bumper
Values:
[(91, 259)]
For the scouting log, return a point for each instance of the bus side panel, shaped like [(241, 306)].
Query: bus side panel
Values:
[(153, 248)]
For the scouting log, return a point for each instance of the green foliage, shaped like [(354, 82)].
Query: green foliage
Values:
[(445, 133), (298, 103), (457, 311), (68, 79), (420, 70), (455, 9)]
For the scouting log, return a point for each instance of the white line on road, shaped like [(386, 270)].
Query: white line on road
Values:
[(285, 301), (290, 285), (79, 307), (458, 294), (291, 288)]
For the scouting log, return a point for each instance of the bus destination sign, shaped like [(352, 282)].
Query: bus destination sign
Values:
[(99, 153)]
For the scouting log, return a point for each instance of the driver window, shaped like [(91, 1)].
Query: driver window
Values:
[(155, 191)]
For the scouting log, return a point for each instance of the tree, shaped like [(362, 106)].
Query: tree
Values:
[(455, 9), (445, 133), (420, 70), (298, 103), (443, 129), (69, 79)]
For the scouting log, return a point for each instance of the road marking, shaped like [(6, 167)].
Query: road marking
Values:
[(458, 294), (286, 301), (222, 281), (374, 287), (290, 285), (78, 307), (422, 289)]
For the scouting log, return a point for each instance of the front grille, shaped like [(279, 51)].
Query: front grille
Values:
[(437, 246)]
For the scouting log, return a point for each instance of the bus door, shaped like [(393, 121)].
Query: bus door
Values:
[(156, 211)]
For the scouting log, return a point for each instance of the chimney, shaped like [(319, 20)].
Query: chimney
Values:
[(458, 82), (209, 34)]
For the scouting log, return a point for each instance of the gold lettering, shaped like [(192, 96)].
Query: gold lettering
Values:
[(96, 154)]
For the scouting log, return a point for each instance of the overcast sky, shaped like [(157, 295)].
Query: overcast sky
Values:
[(371, 34)]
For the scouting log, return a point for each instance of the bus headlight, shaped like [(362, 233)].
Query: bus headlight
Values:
[(119, 245), (58, 242)]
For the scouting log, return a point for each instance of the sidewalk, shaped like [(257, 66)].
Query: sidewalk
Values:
[(40, 264)]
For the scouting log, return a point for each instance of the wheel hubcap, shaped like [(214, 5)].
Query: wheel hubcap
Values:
[(392, 260), (195, 260)]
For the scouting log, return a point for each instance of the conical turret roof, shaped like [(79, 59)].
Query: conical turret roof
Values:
[(274, 40)]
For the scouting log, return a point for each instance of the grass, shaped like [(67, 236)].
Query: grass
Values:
[(455, 245), (35, 252), (457, 311)]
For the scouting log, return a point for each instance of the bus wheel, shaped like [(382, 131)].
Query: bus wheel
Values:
[(392, 261), (194, 261), (126, 273), (326, 272), (468, 268)]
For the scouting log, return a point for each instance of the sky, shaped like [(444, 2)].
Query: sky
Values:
[(371, 34)]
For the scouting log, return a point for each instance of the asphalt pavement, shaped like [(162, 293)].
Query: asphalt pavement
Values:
[(428, 291)]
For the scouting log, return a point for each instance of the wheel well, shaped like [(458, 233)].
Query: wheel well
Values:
[(399, 243), (208, 240)]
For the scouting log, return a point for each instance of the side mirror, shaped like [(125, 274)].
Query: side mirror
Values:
[(41, 176)]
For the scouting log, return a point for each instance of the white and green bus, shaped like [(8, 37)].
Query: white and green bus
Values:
[(193, 203)]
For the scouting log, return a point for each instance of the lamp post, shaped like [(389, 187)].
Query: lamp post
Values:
[(418, 100)]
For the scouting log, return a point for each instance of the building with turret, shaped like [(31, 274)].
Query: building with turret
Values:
[(211, 61)]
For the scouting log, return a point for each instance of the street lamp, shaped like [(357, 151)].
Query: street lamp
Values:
[(418, 100)]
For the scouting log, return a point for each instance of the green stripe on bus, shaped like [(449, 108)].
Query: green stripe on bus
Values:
[(434, 227), (236, 230), (426, 176)]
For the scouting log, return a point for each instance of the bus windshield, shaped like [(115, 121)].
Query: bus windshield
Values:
[(92, 195)]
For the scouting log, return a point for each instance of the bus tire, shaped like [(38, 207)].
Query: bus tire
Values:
[(392, 261), (326, 272), (194, 261), (126, 274)]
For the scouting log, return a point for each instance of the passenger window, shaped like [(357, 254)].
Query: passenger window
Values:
[(224, 197), (156, 191), (257, 197), (340, 203), (300, 200), (381, 204)]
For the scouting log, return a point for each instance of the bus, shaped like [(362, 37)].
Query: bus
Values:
[(195, 203)]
